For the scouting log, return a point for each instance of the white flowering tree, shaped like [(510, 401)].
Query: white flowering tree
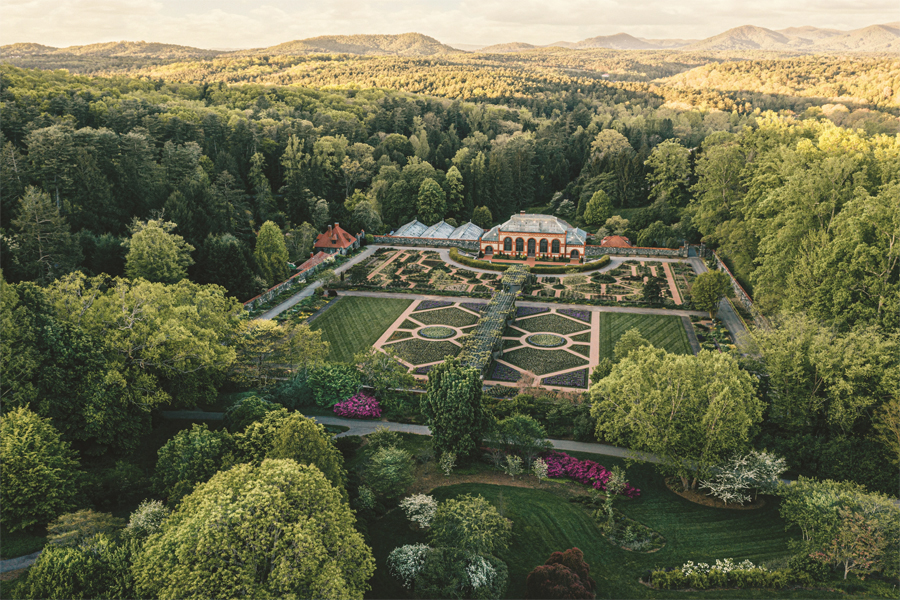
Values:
[(405, 562), (539, 468), (742, 475), (420, 509), (447, 462)]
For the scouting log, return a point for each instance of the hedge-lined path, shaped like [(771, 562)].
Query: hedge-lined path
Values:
[(619, 309), (311, 288), (729, 318)]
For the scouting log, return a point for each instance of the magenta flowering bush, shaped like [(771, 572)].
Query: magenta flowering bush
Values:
[(360, 406), (560, 464)]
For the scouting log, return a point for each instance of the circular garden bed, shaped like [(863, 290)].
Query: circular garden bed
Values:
[(437, 332), (546, 340)]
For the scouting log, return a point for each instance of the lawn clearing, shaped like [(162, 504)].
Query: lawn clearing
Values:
[(354, 323), (663, 331)]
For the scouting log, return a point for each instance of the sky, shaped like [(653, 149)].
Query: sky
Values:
[(259, 23)]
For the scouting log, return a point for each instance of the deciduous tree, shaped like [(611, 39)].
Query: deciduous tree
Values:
[(156, 254), (454, 410), (271, 254)]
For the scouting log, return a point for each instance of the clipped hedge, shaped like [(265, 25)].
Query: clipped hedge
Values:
[(736, 578), (475, 263), (588, 266)]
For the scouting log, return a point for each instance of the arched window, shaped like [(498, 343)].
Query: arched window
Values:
[(488, 250), (543, 246), (574, 253), (520, 245), (555, 246), (507, 245), (531, 245)]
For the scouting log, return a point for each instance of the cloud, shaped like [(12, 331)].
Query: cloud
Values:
[(246, 23)]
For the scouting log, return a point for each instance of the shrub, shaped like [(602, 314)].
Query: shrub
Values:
[(122, 484), (419, 509), (453, 573), (390, 472), (560, 464), (471, 524), (447, 462), (245, 411), (293, 394), (146, 519), (332, 383), (192, 456), (38, 478), (365, 498), (564, 575), (405, 562), (383, 437), (99, 568), (72, 529), (359, 406)]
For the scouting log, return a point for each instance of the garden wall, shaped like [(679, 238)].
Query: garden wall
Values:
[(280, 287), (602, 250), (427, 242), (740, 294)]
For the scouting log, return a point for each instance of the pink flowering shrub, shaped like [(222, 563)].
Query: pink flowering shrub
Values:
[(560, 464), (360, 406)]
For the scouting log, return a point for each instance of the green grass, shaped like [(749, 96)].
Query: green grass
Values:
[(544, 523), (354, 323), (663, 331)]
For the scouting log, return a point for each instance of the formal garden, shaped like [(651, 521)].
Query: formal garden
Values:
[(625, 283)]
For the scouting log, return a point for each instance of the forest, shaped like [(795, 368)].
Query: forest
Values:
[(140, 209)]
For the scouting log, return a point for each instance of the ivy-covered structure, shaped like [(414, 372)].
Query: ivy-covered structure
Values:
[(479, 347)]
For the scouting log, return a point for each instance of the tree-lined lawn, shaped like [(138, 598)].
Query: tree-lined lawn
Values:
[(354, 323), (544, 522), (663, 331)]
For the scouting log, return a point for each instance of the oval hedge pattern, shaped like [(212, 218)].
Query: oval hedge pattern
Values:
[(436, 332), (546, 340)]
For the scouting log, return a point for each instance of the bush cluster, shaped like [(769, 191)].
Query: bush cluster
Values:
[(560, 464), (715, 578), (358, 406)]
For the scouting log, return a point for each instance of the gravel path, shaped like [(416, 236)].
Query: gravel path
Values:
[(311, 288)]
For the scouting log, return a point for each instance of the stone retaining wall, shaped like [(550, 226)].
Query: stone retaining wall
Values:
[(603, 250), (427, 242)]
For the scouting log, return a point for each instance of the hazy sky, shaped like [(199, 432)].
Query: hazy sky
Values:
[(255, 23)]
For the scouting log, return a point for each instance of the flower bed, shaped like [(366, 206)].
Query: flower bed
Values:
[(399, 335), (551, 323), (454, 317), (407, 324), (582, 337), (582, 349), (560, 464), (424, 370), (360, 406), (581, 315), (501, 372), (418, 352), (541, 362), (527, 311), (574, 379), (429, 304), (437, 332), (546, 340), (473, 306)]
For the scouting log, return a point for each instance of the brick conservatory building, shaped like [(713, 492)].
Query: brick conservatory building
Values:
[(538, 236)]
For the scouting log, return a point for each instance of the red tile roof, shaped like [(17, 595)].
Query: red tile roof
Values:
[(312, 262), (615, 241), (335, 237)]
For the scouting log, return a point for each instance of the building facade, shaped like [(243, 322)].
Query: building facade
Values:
[(337, 241), (538, 236)]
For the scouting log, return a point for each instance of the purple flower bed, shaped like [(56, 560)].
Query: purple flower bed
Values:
[(473, 306), (527, 311), (423, 370), (576, 379), (560, 464), (581, 315), (360, 406), (502, 372), (427, 304)]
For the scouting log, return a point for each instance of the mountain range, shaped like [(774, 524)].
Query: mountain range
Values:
[(884, 38)]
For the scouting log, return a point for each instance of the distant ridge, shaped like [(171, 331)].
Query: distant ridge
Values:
[(110, 50), (404, 44), (875, 38), (618, 41)]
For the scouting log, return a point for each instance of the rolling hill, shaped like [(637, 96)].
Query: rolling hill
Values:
[(405, 44), (111, 50), (875, 38)]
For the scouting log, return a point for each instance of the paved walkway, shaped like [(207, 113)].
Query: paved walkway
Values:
[(311, 288), (726, 313), (18, 563)]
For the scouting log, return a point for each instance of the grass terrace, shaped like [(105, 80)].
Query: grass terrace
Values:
[(354, 323), (663, 331)]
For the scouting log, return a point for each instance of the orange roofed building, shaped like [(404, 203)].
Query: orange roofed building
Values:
[(615, 241), (337, 241)]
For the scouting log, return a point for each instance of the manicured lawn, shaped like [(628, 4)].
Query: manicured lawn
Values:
[(663, 331), (544, 522), (354, 323)]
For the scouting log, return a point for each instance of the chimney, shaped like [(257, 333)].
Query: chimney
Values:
[(329, 230), (522, 212), (336, 224), (310, 254)]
